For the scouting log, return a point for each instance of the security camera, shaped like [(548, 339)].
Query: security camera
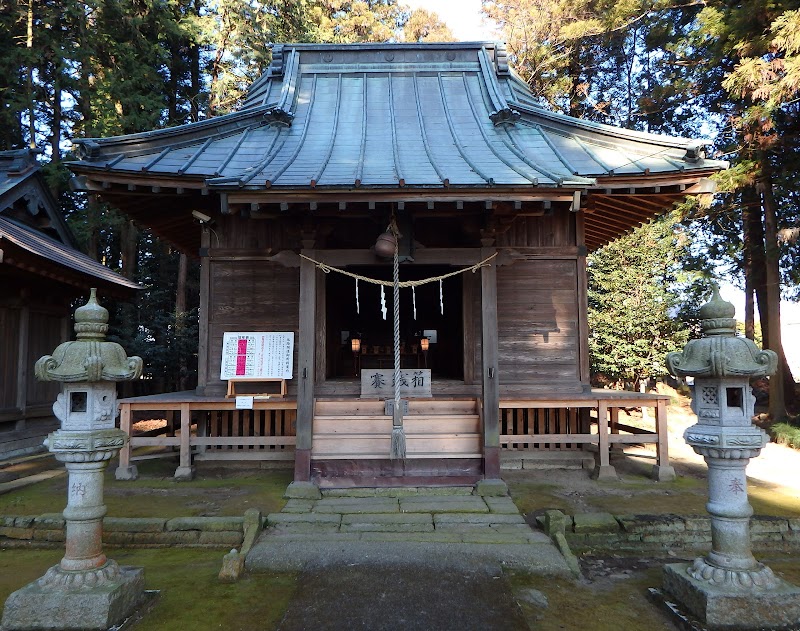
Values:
[(201, 217)]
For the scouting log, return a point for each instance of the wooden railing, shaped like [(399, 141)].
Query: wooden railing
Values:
[(221, 432), (267, 432), (566, 423)]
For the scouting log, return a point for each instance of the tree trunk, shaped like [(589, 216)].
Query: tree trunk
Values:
[(756, 258), (31, 104), (753, 241), (129, 240), (575, 76), (194, 73), (777, 391), (55, 137), (180, 294)]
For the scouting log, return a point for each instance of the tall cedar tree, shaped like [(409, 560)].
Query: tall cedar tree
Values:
[(96, 68), (661, 66)]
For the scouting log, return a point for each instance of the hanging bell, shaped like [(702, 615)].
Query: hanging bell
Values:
[(385, 245)]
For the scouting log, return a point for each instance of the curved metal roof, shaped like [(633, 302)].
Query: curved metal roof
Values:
[(385, 115)]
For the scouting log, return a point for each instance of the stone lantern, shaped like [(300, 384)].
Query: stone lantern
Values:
[(727, 588), (85, 590)]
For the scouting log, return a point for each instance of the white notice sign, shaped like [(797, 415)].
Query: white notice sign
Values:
[(257, 355), (244, 403)]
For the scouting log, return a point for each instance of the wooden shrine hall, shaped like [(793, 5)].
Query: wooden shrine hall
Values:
[(496, 202)]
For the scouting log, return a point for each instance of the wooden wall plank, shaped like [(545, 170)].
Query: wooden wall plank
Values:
[(538, 324), (249, 296), (556, 229), (44, 334), (9, 357)]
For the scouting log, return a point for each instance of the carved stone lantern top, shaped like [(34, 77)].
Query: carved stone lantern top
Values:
[(720, 352), (90, 358)]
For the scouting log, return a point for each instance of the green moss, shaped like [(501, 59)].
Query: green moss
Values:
[(161, 496), (775, 501), (659, 503), (608, 605), (530, 497), (190, 597), (20, 567)]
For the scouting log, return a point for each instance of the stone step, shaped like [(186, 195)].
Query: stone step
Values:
[(298, 551)]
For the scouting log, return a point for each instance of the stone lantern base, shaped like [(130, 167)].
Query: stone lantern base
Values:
[(39, 606), (721, 607)]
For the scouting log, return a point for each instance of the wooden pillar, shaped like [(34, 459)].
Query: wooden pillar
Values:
[(203, 326), (489, 378), (22, 365), (604, 470), (583, 299), (305, 368), (614, 426), (125, 426), (185, 470), (662, 471)]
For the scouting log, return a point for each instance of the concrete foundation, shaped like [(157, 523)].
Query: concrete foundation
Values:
[(724, 608)]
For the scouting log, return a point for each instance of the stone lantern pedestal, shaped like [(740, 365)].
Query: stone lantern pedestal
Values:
[(727, 588), (86, 590)]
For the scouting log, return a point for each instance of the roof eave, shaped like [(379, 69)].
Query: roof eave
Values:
[(148, 140)]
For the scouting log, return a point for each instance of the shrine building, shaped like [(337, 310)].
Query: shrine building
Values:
[(496, 203)]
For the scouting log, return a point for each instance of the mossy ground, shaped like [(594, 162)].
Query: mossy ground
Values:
[(213, 492), (190, 595), (604, 604), (575, 492)]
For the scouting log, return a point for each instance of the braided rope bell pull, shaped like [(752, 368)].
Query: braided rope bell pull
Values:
[(398, 446)]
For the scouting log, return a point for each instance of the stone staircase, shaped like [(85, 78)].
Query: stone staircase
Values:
[(357, 525)]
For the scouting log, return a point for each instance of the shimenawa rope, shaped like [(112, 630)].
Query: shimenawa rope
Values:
[(327, 269)]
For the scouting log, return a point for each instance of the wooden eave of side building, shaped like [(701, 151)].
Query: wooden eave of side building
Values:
[(35, 243)]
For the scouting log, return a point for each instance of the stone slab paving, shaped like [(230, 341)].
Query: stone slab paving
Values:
[(420, 597), (388, 525)]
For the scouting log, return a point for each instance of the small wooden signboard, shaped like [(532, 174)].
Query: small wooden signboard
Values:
[(379, 383), (253, 388)]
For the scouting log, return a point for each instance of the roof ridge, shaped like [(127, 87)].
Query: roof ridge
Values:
[(677, 142)]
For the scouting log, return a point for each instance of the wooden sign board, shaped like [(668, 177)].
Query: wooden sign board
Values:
[(257, 355), (379, 383)]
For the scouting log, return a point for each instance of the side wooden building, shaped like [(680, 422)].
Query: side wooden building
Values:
[(332, 145), (41, 274)]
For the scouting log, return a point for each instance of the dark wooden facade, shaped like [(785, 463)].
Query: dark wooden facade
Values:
[(331, 144), (41, 274)]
